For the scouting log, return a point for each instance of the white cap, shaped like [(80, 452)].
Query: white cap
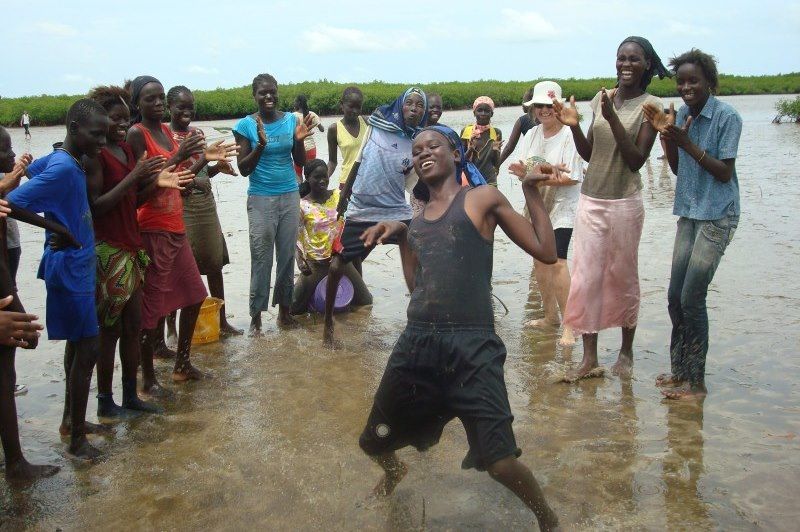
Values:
[(544, 92)]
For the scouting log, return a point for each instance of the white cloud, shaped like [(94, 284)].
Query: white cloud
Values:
[(57, 29), (680, 28), (329, 39), (197, 69), (523, 26)]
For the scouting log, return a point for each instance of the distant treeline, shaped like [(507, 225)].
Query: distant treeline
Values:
[(324, 96)]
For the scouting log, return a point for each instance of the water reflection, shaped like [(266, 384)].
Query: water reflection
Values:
[(682, 467)]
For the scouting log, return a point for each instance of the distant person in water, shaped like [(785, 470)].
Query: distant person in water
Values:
[(113, 182), (420, 194), (604, 286), (522, 125), (448, 362), (319, 228), (58, 188), (702, 145), (270, 142), (172, 281), (17, 328), (203, 228), (302, 113), (347, 134), (25, 122), (376, 191), (482, 141)]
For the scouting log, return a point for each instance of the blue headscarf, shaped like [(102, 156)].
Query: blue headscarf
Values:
[(389, 117), (465, 167)]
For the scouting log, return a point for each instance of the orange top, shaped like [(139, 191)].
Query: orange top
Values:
[(164, 210)]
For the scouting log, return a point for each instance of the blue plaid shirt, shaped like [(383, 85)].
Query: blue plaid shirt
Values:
[(698, 195)]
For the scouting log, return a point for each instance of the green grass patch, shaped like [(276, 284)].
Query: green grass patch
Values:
[(324, 95)]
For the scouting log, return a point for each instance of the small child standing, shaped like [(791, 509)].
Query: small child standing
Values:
[(58, 188), (449, 362)]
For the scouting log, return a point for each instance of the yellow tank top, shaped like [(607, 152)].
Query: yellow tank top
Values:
[(349, 146)]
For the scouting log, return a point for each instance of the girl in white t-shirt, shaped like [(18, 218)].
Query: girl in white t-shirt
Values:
[(551, 142)]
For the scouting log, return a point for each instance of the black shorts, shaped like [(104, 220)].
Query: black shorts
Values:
[(435, 375), (563, 236), (352, 243)]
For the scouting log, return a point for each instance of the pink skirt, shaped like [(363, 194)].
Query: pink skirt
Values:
[(604, 286)]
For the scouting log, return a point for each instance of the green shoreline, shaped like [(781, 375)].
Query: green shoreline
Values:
[(324, 95)]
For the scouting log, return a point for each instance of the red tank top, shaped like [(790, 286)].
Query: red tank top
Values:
[(118, 226), (164, 210)]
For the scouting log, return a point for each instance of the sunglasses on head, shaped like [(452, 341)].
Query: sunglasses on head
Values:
[(540, 105)]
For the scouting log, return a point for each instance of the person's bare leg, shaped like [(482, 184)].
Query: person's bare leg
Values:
[(106, 407), (17, 467), (285, 318), (334, 276), (160, 349), (130, 354), (184, 370), (150, 385), (69, 357), (394, 471), (84, 358), (561, 282), (216, 286), (172, 332), (515, 476), (589, 362), (624, 365), (544, 279)]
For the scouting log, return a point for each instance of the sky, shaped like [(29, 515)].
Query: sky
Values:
[(63, 47)]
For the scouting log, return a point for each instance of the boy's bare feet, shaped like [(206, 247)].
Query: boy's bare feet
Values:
[(25, 471), (567, 338), (90, 428), (686, 391), (543, 322), (255, 327), (226, 330), (84, 450), (329, 341), (623, 367), (163, 352), (584, 371), (668, 379), (285, 319), (389, 481), (188, 373), (155, 390)]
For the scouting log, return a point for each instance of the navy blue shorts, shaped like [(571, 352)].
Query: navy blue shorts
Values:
[(71, 316), (434, 375), (563, 236), (351, 240)]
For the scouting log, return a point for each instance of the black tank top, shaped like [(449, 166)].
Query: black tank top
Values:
[(454, 274)]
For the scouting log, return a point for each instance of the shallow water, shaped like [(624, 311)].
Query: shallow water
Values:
[(271, 442)]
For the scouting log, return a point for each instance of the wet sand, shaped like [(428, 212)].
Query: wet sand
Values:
[(271, 441)]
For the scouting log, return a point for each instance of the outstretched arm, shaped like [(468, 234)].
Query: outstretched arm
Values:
[(333, 146), (380, 232), (487, 207), (512, 141), (28, 217)]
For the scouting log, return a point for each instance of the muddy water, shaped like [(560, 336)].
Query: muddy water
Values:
[(271, 441)]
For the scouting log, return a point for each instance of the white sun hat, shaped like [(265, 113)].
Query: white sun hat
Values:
[(544, 92)]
